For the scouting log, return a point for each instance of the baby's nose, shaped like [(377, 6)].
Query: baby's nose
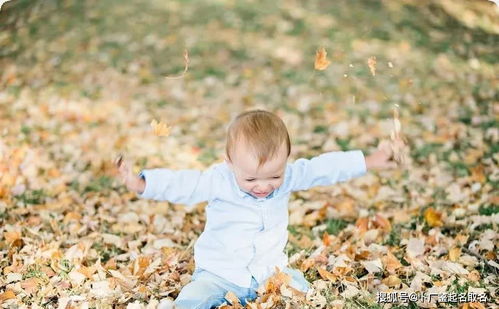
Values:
[(265, 187)]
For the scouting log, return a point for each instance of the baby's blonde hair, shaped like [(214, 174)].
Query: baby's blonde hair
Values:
[(263, 131)]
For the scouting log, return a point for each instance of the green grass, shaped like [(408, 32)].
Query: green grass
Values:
[(33, 197), (488, 210), (335, 226), (102, 183)]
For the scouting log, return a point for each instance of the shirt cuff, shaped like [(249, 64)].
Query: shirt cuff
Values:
[(144, 194), (358, 163)]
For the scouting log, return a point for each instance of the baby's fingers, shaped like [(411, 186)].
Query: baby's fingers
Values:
[(386, 147)]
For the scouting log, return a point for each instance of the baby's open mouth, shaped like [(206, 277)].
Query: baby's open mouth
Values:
[(260, 194)]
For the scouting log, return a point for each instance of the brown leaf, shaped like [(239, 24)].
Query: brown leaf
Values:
[(321, 63), (362, 225), (306, 264), (391, 262), (326, 275), (382, 223)]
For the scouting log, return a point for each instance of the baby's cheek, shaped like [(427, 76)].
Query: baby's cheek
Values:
[(277, 184)]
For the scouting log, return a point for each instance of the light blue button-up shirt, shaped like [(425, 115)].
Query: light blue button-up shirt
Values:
[(244, 236)]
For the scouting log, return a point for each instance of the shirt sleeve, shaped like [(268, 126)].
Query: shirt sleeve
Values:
[(178, 186), (326, 169)]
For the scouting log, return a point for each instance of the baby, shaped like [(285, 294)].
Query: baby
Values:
[(247, 213)]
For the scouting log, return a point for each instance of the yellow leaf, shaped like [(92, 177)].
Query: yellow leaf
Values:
[(321, 63), (326, 275), (160, 128), (7, 295), (433, 217), (454, 254), (392, 281), (371, 62)]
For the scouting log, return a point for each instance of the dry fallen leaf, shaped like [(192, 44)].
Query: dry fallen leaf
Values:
[(415, 247), (232, 298), (454, 254), (160, 128), (7, 295), (321, 62)]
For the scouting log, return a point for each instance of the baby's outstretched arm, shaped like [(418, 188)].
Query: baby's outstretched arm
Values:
[(130, 180), (186, 186)]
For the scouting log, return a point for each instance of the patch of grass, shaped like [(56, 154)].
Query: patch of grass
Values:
[(320, 129), (208, 156), (106, 252), (334, 226), (33, 271), (459, 168), (488, 210), (34, 197), (393, 238), (343, 143), (423, 152), (102, 183), (456, 287)]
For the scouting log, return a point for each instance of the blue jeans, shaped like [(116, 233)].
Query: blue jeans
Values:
[(207, 290)]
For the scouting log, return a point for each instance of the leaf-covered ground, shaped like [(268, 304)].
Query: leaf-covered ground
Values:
[(81, 81)]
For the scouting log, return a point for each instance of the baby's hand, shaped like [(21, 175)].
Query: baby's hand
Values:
[(383, 157), (129, 179)]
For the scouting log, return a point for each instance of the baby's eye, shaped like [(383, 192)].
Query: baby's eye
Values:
[(276, 177), (251, 179)]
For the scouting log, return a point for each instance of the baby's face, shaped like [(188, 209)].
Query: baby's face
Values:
[(258, 181)]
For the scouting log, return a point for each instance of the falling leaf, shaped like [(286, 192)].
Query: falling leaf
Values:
[(371, 62), (321, 62), (433, 217), (160, 128), (186, 66), (399, 148)]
